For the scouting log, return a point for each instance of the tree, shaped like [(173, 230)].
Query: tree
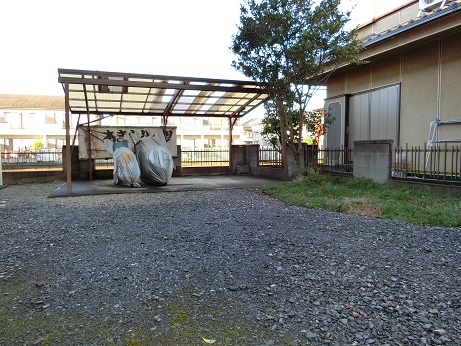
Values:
[(315, 123), (290, 48), (37, 144), (271, 125)]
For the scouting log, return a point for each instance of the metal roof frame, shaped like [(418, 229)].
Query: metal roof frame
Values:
[(114, 93), (99, 92)]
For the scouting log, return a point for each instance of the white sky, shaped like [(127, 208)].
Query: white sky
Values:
[(164, 37), (364, 10)]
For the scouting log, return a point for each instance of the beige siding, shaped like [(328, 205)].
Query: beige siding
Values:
[(358, 79), (365, 31), (336, 85), (385, 71), (388, 21), (419, 93), (430, 83), (450, 105), (409, 13)]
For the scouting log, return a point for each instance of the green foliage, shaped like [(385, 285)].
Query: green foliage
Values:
[(309, 141), (271, 124), (287, 46), (365, 197), (37, 144), (285, 42)]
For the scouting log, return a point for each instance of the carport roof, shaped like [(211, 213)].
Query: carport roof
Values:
[(114, 93)]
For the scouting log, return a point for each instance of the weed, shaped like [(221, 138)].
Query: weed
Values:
[(365, 197)]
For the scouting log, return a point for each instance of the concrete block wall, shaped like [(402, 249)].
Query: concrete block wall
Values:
[(80, 168), (372, 160), (244, 155)]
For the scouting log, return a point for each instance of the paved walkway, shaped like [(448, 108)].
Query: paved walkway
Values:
[(186, 183)]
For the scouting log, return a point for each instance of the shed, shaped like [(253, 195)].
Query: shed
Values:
[(114, 93)]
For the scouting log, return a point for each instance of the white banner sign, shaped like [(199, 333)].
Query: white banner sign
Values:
[(95, 138)]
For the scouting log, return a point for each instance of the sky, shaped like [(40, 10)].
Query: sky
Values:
[(174, 37), (163, 37)]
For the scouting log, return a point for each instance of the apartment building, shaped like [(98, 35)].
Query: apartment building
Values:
[(25, 119)]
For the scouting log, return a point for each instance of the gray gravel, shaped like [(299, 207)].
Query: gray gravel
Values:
[(233, 267)]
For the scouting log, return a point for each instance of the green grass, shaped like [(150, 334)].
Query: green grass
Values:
[(364, 197)]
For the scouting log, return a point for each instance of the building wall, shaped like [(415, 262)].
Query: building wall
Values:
[(419, 92), (388, 21), (19, 129), (385, 71), (450, 101), (430, 81)]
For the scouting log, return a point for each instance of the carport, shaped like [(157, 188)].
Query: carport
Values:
[(114, 93)]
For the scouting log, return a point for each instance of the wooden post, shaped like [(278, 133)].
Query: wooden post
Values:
[(283, 135), (90, 158), (1, 174), (68, 151), (230, 145)]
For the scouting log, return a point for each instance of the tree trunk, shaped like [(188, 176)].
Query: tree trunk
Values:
[(283, 135)]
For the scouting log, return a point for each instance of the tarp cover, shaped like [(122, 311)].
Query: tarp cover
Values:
[(155, 161), (126, 167)]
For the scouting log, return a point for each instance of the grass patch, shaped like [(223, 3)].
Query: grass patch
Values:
[(186, 320), (190, 322), (365, 197)]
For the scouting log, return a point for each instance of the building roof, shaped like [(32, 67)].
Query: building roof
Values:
[(31, 102), (114, 93), (439, 22), (252, 122), (423, 18)]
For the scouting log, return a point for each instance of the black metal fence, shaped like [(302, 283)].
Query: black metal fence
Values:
[(337, 160), (270, 157), (440, 163), (204, 157), (431, 163)]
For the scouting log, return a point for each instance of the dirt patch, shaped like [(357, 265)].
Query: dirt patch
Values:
[(362, 206)]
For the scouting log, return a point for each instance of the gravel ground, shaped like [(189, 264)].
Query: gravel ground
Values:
[(222, 267)]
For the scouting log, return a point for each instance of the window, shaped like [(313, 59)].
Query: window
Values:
[(50, 118)]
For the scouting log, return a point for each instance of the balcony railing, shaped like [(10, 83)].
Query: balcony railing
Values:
[(31, 160)]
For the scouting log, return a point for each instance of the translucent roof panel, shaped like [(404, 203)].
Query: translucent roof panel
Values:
[(98, 92)]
